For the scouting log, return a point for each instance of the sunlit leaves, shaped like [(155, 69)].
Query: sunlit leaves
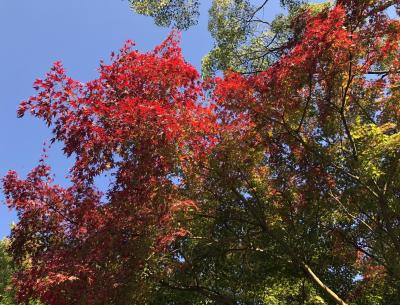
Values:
[(181, 14)]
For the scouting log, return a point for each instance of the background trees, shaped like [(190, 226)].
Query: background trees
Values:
[(6, 296), (274, 184)]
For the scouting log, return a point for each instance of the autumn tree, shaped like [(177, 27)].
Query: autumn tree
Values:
[(142, 120), (276, 183), (313, 195)]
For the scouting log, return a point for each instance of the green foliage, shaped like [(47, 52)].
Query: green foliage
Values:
[(375, 144), (290, 291), (229, 26), (180, 14), (6, 294)]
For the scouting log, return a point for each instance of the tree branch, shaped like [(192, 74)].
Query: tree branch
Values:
[(325, 288), (342, 109)]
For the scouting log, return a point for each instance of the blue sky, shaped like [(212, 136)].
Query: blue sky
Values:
[(34, 34)]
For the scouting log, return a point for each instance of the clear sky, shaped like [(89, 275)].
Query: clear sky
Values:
[(34, 34)]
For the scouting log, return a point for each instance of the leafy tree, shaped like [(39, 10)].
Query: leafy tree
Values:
[(141, 120), (277, 186), (320, 199)]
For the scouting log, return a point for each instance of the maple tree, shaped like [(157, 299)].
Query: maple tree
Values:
[(273, 185), (141, 120)]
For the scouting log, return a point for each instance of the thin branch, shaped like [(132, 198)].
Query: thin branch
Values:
[(348, 213), (257, 10), (325, 288), (342, 110), (306, 106)]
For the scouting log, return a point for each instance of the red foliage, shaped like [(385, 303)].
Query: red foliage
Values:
[(142, 119)]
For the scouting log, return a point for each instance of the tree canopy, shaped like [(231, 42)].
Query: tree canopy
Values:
[(274, 183)]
